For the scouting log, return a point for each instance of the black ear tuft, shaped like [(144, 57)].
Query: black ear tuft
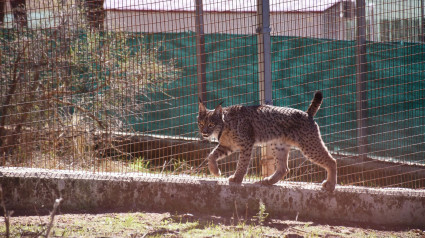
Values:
[(201, 107), (219, 105)]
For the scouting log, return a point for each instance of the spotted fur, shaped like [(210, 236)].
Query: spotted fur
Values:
[(240, 128)]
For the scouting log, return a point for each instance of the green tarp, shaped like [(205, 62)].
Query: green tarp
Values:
[(300, 66)]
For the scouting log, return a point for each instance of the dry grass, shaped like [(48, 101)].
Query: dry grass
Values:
[(145, 224)]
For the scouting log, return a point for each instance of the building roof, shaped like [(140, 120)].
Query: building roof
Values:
[(219, 5)]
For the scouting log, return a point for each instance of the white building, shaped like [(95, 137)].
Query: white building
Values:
[(309, 18), (395, 20)]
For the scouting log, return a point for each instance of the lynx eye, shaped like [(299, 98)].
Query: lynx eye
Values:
[(210, 125), (201, 124)]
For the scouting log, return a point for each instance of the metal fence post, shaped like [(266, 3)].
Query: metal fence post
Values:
[(265, 75), (422, 30), (361, 77), (200, 51)]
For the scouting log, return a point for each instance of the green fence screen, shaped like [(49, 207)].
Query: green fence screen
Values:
[(300, 66)]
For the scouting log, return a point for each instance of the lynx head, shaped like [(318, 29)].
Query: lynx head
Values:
[(210, 122)]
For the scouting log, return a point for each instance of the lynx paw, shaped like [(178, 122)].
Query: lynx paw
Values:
[(328, 186), (213, 167), (266, 181), (234, 179), (274, 178)]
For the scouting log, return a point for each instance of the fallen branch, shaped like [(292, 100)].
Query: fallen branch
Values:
[(52, 216)]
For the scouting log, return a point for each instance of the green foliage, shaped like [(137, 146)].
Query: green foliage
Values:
[(180, 165), (262, 214), (140, 165)]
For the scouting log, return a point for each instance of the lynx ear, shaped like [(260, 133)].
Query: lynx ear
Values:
[(218, 110), (201, 107)]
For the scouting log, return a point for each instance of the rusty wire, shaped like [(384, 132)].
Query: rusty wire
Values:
[(104, 86)]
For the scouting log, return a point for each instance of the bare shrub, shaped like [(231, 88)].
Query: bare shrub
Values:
[(65, 87)]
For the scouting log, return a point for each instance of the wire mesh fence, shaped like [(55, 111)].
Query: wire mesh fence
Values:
[(113, 86)]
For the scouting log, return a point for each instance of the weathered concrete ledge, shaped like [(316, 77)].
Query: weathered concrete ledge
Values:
[(34, 190)]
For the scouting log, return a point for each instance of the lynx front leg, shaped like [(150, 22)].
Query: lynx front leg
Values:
[(217, 154), (242, 166)]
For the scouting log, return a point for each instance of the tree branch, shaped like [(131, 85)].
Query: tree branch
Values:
[(83, 110), (6, 213), (6, 104)]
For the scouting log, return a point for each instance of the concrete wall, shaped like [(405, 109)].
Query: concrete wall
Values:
[(31, 190)]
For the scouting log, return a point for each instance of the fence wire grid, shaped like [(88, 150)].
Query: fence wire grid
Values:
[(113, 86)]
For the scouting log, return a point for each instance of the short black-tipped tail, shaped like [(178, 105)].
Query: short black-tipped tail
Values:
[(315, 104)]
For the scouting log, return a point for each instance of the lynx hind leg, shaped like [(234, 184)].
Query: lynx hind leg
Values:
[(315, 150), (280, 152)]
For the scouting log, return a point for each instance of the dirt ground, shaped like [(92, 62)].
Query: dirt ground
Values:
[(149, 224)]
